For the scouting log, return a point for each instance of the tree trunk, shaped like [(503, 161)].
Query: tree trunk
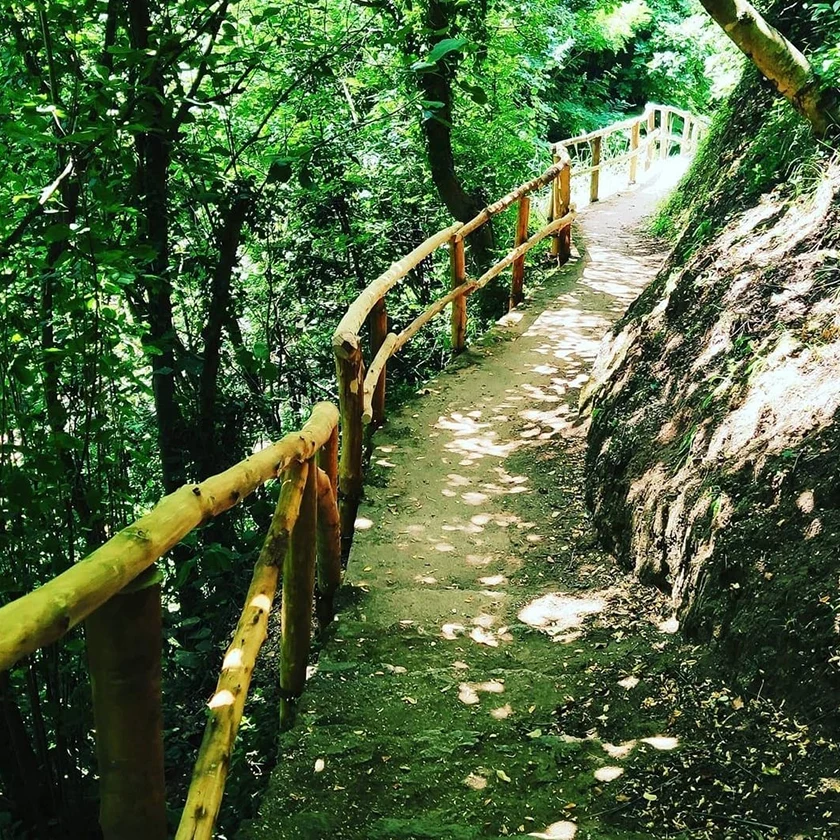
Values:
[(777, 59), (229, 237), (124, 639), (436, 86), (19, 772), (153, 154)]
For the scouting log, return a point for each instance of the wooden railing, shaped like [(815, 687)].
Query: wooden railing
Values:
[(361, 392), (646, 137), (116, 592), (116, 589)]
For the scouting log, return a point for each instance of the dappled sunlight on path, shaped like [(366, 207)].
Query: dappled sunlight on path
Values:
[(473, 559)]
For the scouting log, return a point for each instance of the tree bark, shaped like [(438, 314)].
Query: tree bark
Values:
[(19, 771), (778, 60), (153, 156), (229, 238), (436, 86)]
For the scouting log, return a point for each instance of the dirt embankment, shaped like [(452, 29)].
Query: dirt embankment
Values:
[(713, 451)]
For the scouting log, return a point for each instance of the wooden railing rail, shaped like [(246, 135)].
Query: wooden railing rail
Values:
[(362, 395), (116, 589), (630, 130)]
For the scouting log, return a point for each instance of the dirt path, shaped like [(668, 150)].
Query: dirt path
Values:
[(491, 672)]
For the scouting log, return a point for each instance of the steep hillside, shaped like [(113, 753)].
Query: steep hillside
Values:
[(713, 447)]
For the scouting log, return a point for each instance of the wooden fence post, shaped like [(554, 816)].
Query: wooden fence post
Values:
[(634, 150), (555, 211), (124, 658), (328, 459), (664, 133), (650, 144), (378, 330), (329, 551), (685, 144), (521, 236), (224, 713), (298, 595), (564, 181), (351, 380), (458, 272), (595, 144)]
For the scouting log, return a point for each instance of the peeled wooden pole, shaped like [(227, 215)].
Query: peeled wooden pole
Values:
[(373, 374), (378, 330), (564, 238), (346, 336), (505, 201), (46, 614), (596, 172), (124, 658), (551, 227), (351, 379), (329, 551), (298, 595), (599, 132), (458, 273), (650, 140), (518, 277), (634, 150), (686, 136), (555, 210), (328, 459), (228, 702), (664, 133)]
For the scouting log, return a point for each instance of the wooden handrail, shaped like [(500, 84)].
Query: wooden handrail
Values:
[(47, 613), (687, 140), (346, 336), (525, 189), (394, 343), (225, 708)]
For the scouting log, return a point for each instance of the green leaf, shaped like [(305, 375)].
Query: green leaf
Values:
[(21, 372), (444, 47), (279, 172)]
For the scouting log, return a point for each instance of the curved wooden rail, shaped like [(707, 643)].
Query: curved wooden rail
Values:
[(361, 396), (655, 134), (47, 613), (116, 589)]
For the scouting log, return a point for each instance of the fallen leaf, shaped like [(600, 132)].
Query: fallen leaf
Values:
[(503, 776)]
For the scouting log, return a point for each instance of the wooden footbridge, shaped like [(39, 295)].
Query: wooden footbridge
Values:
[(116, 590)]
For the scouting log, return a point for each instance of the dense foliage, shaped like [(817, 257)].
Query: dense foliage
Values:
[(192, 194)]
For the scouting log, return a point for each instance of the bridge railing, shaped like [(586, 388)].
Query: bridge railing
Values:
[(116, 590)]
